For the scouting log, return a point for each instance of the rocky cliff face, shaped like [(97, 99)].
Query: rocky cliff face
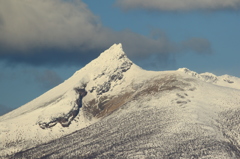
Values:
[(66, 119)]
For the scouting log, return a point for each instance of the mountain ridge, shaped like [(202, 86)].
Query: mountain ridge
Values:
[(224, 80)]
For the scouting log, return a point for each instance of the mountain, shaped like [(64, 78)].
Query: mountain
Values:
[(112, 108)]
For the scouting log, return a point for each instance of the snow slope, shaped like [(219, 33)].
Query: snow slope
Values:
[(128, 112)]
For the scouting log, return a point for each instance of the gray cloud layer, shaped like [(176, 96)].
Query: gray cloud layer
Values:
[(57, 32), (46, 78), (179, 5)]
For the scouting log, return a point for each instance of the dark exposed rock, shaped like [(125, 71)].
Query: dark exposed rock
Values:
[(228, 81), (113, 77), (103, 88), (210, 78), (66, 120), (126, 66), (116, 76)]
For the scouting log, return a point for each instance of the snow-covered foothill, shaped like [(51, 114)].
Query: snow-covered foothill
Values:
[(224, 80)]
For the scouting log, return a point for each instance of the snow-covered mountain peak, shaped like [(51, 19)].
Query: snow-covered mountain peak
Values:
[(115, 50), (113, 54), (106, 70), (77, 102), (207, 77), (111, 60), (224, 80), (97, 78), (187, 71)]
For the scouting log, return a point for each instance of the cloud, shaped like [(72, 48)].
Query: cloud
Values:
[(179, 5), (198, 44), (44, 78), (2, 76), (59, 32), (31, 23)]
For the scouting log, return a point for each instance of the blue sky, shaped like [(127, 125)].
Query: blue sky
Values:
[(42, 43)]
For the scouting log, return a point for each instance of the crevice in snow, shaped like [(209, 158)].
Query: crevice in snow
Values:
[(66, 120)]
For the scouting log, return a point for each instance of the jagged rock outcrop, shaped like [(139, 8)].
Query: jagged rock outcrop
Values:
[(66, 120)]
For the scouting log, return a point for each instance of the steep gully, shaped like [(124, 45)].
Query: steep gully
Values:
[(66, 120), (94, 109)]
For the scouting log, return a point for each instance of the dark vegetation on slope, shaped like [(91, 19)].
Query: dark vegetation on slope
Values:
[(144, 133)]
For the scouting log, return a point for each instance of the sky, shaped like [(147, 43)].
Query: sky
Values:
[(43, 42)]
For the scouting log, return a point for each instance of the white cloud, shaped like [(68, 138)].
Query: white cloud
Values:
[(179, 5), (34, 23)]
